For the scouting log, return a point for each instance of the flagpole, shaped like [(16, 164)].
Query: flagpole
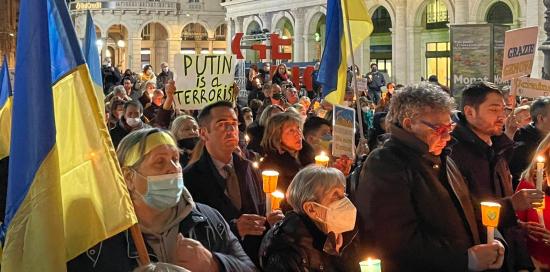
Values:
[(358, 107), (140, 245)]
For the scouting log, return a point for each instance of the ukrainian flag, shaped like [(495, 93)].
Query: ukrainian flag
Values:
[(334, 62), (66, 192), (92, 58), (5, 109)]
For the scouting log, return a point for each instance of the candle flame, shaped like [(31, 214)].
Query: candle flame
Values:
[(278, 194), (322, 153), (540, 159), (270, 173), (256, 165), (246, 138)]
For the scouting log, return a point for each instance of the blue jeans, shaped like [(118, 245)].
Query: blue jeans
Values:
[(374, 96)]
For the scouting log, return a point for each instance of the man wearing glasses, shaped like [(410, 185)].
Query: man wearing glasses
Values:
[(484, 134), (415, 211)]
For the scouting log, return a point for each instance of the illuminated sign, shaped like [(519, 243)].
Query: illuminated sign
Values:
[(91, 5)]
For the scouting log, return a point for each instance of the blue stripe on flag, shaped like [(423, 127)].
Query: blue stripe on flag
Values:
[(332, 58)]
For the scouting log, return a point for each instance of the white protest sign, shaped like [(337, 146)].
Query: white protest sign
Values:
[(519, 52), (362, 85), (530, 87), (343, 131), (203, 79)]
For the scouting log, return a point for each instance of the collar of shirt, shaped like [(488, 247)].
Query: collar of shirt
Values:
[(219, 166)]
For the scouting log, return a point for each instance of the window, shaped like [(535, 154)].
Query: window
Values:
[(438, 61), (220, 32), (146, 33), (381, 20), (384, 66), (500, 13), (194, 32), (145, 56), (437, 15)]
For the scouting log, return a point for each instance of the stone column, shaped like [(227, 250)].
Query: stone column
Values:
[(461, 12), (298, 37), (238, 24), (399, 43), (414, 54), (134, 52), (174, 47)]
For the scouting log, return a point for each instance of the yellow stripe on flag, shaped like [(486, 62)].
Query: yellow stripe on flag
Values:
[(337, 97), (38, 224), (5, 128), (93, 189), (360, 22)]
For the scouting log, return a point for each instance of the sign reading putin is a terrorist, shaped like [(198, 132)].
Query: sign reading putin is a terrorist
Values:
[(203, 79)]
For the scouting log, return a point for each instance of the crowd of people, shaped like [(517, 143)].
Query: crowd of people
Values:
[(410, 197)]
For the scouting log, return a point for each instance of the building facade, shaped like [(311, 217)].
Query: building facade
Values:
[(9, 16), (140, 32), (410, 39)]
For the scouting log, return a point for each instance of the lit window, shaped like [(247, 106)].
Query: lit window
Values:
[(194, 32), (437, 14)]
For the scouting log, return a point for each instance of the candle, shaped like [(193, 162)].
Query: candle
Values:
[(490, 213), (322, 159), (256, 165), (540, 171), (246, 138), (541, 217), (371, 265), (269, 178), (276, 197)]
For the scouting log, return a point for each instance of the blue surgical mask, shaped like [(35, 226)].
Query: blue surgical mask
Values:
[(164, 191)]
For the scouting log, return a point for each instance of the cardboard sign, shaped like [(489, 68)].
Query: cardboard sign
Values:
[(203, 79), (362, 85), (519, 52), (530, 87), (343, 131)]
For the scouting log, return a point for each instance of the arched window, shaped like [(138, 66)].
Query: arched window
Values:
[(500, 13), (253, 28), (381, 20), (437, 15), (220, 32), (194, 32)]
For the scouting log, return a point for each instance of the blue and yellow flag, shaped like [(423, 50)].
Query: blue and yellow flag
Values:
[(91, 54), (5, 110), (334, 63), (66, 191)]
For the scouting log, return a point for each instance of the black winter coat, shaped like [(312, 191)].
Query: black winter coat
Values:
[(118, 253), (527, 140), (207, 186), (413, 215), (295, 244)]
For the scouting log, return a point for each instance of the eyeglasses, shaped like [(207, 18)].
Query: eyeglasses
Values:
[(440, 130)]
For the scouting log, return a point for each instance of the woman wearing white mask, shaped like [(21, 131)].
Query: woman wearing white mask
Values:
[(176, 230), (319, 234), (129, 121)]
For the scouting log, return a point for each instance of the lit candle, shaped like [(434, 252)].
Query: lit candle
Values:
[(246, 138), (371, 265), (269, 178), (276, 197), (540, 169), (539, 180), (322, 159), (256, 165), (490, 213)]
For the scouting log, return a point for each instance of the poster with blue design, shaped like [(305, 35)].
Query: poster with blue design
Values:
[(343, 131)]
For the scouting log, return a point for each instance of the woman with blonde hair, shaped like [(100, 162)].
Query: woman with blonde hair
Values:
[(538, 234), (186, 130), (281, 75), (285, 149)]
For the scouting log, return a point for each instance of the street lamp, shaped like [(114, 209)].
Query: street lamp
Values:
[(545, 47)]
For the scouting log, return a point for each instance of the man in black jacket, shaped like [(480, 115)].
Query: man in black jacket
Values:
[(165, 76), (414, 208), (482, 154), (528, 138), (375, 81), (228, 182)]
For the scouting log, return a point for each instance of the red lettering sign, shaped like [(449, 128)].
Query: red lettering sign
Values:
[(275, 47)]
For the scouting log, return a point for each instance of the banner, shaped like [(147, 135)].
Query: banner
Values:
[(362, 85), (471, 51), (203, 79), (519, 52), (343, 131), (530, 87)]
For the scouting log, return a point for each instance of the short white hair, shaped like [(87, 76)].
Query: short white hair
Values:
[(311, 183)]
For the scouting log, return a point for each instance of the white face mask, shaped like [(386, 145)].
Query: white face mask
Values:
[(133, 122), (365, 109), (165, 69), (339, 216)]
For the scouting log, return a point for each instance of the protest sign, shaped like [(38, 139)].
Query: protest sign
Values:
[(203, 79), (362, 85), (343, 131), (530, 87), (519, 52)]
